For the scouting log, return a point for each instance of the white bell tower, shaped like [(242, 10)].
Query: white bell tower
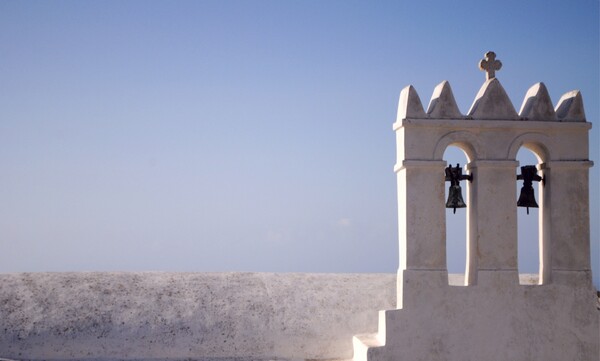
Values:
[(493, 316)]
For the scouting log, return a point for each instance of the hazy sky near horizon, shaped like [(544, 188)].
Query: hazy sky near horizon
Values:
[(247, 135)]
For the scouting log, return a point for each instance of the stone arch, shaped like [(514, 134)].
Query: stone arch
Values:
[(457, 221), (466, 141), (530, 240), (536, 142), (470, 145)]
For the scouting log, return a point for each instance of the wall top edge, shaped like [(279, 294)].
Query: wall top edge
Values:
[(184, 274), (491, 124)]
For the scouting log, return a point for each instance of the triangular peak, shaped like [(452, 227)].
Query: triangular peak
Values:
[(570, 107), (492, 103), (537, 104), (442, 104), (410, 105)]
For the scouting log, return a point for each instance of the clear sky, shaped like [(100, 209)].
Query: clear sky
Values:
[(246, 135)]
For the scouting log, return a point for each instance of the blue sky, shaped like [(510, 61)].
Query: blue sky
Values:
[(246, 135)]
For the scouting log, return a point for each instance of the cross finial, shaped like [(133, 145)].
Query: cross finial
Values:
[(490, 65)]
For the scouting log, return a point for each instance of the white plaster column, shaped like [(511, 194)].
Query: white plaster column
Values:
[(421, 225), (493, 216), (566, 209), (544, 226), (421, 215), (471, 258)]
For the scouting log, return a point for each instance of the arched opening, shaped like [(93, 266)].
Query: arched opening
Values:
[(456, 219), (529, 218)]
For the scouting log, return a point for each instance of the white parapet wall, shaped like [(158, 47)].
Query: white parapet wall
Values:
[(191, 316)]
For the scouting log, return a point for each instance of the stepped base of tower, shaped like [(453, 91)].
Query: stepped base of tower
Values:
[(497, 319)]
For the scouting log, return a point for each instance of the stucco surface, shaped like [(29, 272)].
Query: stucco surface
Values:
[(496, 320), (171, 316)]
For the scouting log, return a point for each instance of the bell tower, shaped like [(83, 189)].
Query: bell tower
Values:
[(492, 316)]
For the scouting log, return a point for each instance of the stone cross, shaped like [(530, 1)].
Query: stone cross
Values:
[(490, 65)]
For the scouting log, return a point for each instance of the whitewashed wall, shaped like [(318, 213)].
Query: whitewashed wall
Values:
[(195, 316)]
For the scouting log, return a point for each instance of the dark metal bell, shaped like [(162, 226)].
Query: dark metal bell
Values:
[(527, 196), (455, 198), (454, 176)]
